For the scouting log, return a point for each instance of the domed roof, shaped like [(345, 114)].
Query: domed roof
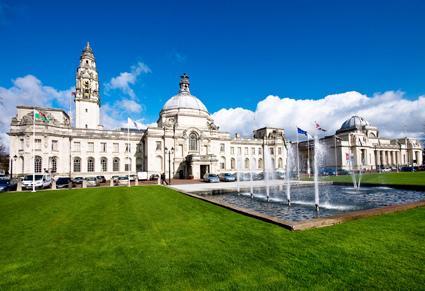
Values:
[(354, 122), (184, 99)]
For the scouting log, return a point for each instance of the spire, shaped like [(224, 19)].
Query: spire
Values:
[(87, 52), (184, 84)]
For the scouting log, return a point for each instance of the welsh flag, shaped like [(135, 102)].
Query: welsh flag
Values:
[(41, 116)]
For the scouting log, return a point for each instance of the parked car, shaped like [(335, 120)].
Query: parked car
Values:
[(78, 180), (258, 176), (92, 182), (123, 181), (7, 184), (227, 177), (280, 175), (386, 170), (41, 181), (101, 179), (327, 171), (64, 182), (154, 177), (211, 178), (407, 169), (244, 176), (133, 177)]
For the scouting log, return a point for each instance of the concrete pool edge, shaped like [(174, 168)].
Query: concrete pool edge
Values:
[(312, 223), (395, 186)]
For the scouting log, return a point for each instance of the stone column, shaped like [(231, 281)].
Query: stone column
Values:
[(136, 182), (84, 184), (111, 182), (53, 184)]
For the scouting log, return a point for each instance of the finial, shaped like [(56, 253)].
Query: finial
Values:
[(184, 83), (88, 45)]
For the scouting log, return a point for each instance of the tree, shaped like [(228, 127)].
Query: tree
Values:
[(4, 158)]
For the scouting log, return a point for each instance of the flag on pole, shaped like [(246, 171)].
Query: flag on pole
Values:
[(300, 131), (131, 122), (318, 127), (38, 115)]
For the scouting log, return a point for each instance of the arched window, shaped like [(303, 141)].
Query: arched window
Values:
[(193, 142), (54, 164), (77, 164), (90, 164), (280, 163), (246, 163), (232, 163), (260, 163), (222, 163), (104, 164), (38, 164), (116, 165)]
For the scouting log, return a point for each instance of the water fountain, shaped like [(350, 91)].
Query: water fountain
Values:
[(238, 172), (251, 180), (268, 170), (316, 172), (289, 156), (356, 179)]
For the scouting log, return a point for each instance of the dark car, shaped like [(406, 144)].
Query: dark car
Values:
[(280, 175), (154, 177), (7, 185), (211, 178), (101, 179), (63, 182), (327, 171), (227, 177), (258, 176), (407, 169)]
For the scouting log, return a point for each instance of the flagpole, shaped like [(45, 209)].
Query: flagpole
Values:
[(128, 151), (308, 155), (298, 157), (33, 151)]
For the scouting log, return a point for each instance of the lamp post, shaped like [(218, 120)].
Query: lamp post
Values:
[(169, 151), (11, 165)]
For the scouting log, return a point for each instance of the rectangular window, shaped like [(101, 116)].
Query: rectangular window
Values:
[(272, 151), (253, 151), (116, 147), (38, 144), (127, 147), (222, 165), (76, 147), (103, 147), (158, 146), (127, 167), (90, 147), (279, 150), (21, 144), (246, 150), (54, 145), (239, 150), (260, 151), (232, 150), (222, 148)]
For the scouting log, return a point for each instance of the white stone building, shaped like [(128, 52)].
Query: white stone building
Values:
[(185, 142), (361, 143)]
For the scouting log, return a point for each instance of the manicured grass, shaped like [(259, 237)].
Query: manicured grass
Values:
[(155, 238), (393, 178)]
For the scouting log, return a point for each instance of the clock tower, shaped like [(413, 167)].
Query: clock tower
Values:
[(87, 101)]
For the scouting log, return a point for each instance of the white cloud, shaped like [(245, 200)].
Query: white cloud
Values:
[(28, 90), (393, 114), (130, 106), (125, 79)]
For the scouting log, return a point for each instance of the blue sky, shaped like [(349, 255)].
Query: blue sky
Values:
[(236, 52)]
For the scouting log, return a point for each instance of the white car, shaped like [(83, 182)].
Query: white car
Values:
[(123, 181), (41, 181)]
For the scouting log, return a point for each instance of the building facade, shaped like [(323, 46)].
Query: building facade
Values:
[(185, 142), (358, 145)]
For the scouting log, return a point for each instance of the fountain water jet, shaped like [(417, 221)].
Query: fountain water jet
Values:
[(238, 171), (289, 156), (316, 172), (268, 168)]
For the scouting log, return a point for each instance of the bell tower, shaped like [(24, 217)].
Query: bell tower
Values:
[(87, 102)]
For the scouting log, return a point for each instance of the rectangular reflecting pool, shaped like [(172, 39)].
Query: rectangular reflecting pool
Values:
[(334, 200)]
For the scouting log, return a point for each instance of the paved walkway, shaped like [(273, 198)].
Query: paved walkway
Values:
[(233, 185)]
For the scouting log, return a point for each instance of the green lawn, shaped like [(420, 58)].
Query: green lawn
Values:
[(155, 238), (393, 178)]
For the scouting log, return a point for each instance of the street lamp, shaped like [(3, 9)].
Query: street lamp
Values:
[(11, 165), (169, 151)]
